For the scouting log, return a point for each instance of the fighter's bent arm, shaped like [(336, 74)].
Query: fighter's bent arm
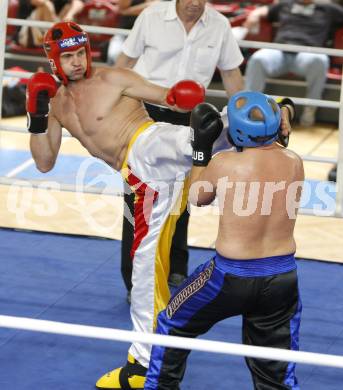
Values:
[(202, 189), (45, 130), (136, 86), (287, 115), (183, 96), (206, 126)]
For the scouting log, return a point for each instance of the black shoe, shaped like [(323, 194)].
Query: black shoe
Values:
[(332, 174), (175, 280), (128, 297)]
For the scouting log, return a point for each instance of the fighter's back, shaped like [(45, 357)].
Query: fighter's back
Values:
[(258, 192)]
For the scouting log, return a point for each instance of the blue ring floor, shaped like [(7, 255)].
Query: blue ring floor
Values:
[(77, 280)]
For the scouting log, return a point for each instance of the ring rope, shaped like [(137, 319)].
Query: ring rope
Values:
[(218, 93), (63, 187), (291, 48), (63, 328), (299, 83), (28, 183), (35, 58), (66, 134), (88, 28), (242, 43), (278, 81)]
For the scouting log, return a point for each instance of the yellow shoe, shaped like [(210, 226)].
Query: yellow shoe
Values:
[(131, 376)]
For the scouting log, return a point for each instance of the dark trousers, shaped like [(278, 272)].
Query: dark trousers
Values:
[(179, 250), (270, 305)]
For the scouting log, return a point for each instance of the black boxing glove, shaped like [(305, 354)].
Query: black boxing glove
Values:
[(206, 126), (288, 103)]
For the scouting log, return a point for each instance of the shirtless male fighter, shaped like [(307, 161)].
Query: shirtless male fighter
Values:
[(253, 272)]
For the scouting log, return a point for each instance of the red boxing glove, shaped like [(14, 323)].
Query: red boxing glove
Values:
[(186, 94), (38, 83), (40, 88)]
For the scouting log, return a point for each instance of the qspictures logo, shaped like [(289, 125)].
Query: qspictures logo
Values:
[(189, 290)]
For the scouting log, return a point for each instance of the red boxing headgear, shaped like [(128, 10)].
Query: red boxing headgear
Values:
[(62, 37)]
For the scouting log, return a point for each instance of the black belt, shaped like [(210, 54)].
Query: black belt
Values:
[(164, 114)]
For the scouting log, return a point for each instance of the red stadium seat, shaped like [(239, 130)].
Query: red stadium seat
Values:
[(238, 20), (338, 44), (15, 48), (335, 72), (13, 6), (99, 13), (263, 34)]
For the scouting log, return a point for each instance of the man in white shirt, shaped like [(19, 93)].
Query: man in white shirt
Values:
[(171, 41)]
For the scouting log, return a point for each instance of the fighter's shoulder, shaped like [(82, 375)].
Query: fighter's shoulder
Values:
[(220, 165), (220, 159), (292, 156), (57, 99), (113, 75)]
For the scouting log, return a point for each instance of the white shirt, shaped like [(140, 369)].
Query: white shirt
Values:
[(168, 54)]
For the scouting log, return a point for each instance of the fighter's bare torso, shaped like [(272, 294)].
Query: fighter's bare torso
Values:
[(258, 193), (264, 205), (103, 112)]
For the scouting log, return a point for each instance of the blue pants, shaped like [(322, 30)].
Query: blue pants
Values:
[(263, 291), (275, 63)]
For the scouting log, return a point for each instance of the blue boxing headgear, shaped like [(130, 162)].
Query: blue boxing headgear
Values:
[(254, 119)]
